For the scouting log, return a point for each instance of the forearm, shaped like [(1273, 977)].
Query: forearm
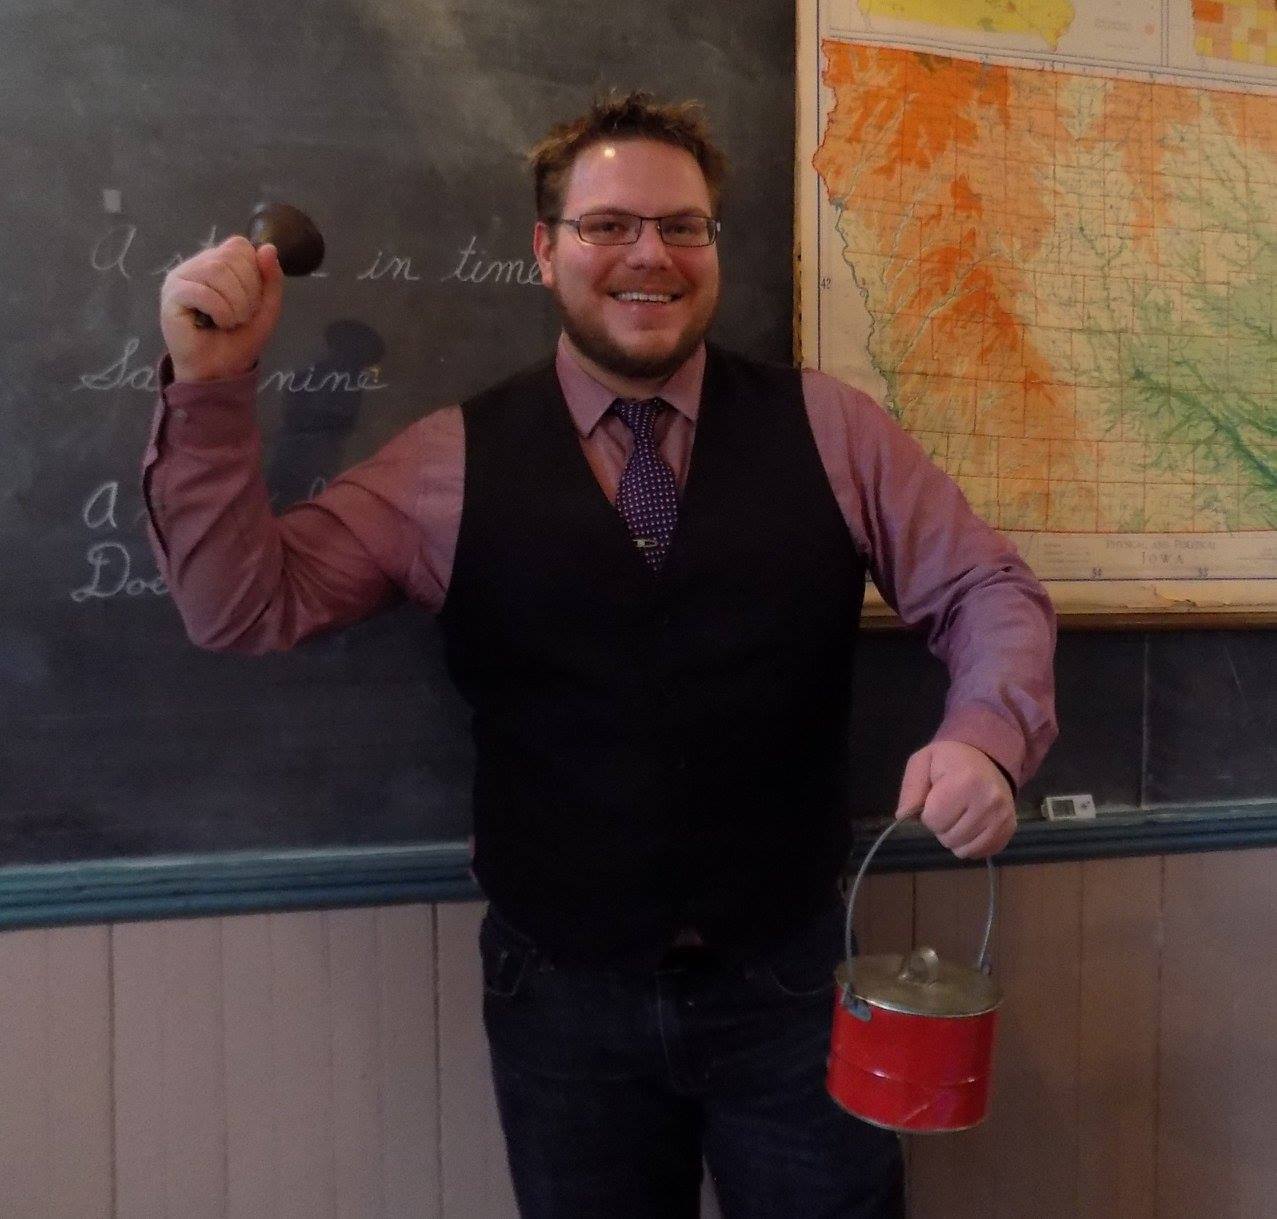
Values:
[(241, 578), (986, 617), (998, 644)]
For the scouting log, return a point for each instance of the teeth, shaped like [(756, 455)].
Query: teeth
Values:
[(657, 297)]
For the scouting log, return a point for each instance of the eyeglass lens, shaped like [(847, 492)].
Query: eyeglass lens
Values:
[(620, 228)]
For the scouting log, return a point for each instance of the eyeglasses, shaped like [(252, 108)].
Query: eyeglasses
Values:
[(621, 228)]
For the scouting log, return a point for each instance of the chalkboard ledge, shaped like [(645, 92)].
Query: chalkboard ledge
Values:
[(183, 886), (1161, 830), (124, 890)]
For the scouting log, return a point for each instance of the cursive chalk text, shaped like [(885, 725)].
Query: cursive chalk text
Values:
[(475, 267), (113, 574), (99, 509), (288, 380), (390, 266), (121, 375)]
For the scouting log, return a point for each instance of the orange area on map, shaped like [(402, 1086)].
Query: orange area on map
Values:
[(1070, 298), (962, 299)]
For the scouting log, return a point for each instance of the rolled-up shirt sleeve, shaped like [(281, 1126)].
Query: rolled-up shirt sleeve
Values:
[(946, 571), (245, 579)]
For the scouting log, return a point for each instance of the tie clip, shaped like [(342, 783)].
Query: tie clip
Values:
[(645, 543)]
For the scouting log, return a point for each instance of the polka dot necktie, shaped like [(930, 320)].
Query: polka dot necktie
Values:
[(647, 497)]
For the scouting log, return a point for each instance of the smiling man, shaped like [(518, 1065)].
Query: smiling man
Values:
[(648, 557), (636, 292)]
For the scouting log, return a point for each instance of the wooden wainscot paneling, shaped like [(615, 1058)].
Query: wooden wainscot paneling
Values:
[(1218, 1056), (332, 1065), (884, 919), (169, 1070), (270, 1066), (410, 1053), (957, 1176), (1117, 1038), (1072, 1129), (55, 1073), (251, 1103)]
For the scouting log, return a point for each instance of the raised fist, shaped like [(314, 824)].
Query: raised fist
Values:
[(237, 287)]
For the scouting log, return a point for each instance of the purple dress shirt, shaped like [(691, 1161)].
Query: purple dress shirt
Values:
[(245, 579)]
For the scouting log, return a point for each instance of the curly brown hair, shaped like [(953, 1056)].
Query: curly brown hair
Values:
[(631, 116)]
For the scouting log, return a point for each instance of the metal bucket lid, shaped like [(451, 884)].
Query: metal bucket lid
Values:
[(920, 984)]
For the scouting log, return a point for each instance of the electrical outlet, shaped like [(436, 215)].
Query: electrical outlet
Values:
[(1069, 808)]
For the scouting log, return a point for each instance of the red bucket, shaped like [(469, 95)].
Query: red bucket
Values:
[(912, 1045)]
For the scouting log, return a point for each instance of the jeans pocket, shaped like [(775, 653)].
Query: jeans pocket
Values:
[(804, 967), (506, 962), (796, 980)]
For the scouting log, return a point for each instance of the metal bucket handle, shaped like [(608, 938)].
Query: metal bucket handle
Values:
[(852, 1001)]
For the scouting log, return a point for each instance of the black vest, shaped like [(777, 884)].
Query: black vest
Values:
[(655, 751)]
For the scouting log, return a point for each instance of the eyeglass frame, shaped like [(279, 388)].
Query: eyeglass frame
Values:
[(715, 227)]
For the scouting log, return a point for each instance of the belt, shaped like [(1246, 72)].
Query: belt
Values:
[(687, 950)]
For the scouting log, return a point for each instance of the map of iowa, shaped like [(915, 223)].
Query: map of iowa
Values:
[(1072, 283)]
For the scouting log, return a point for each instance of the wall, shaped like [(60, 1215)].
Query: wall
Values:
[(332, 1064)]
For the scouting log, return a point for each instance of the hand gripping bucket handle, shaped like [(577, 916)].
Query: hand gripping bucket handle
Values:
[(852, 1001)]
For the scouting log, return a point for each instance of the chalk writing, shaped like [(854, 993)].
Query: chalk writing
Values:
[(99, 508), (112, 572), (120, 375), (117, 250), (112, 248), (113, 575), (393, 267), (333, 381), (475, 267), (111, 251)]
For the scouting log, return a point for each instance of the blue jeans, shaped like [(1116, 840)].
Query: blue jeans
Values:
[(612, 1086)]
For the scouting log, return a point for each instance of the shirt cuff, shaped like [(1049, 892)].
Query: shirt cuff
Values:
[(208, 414), (993, 736)]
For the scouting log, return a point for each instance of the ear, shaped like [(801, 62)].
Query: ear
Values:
[(542, 247)]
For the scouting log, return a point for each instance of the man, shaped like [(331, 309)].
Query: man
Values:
[(648, 559)]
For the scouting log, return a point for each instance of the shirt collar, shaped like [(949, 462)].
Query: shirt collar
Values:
[(588, 401)]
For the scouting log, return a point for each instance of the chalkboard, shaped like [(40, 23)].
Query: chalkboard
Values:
[(1148, 720), (132, 134)]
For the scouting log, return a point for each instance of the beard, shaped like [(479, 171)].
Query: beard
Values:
[(592, 340)]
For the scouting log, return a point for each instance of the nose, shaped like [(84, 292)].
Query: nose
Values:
[(650, 249)]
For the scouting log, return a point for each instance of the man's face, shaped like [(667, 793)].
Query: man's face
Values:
[(632, 340)]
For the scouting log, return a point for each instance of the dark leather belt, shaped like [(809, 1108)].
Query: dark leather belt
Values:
[(687, 951)]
